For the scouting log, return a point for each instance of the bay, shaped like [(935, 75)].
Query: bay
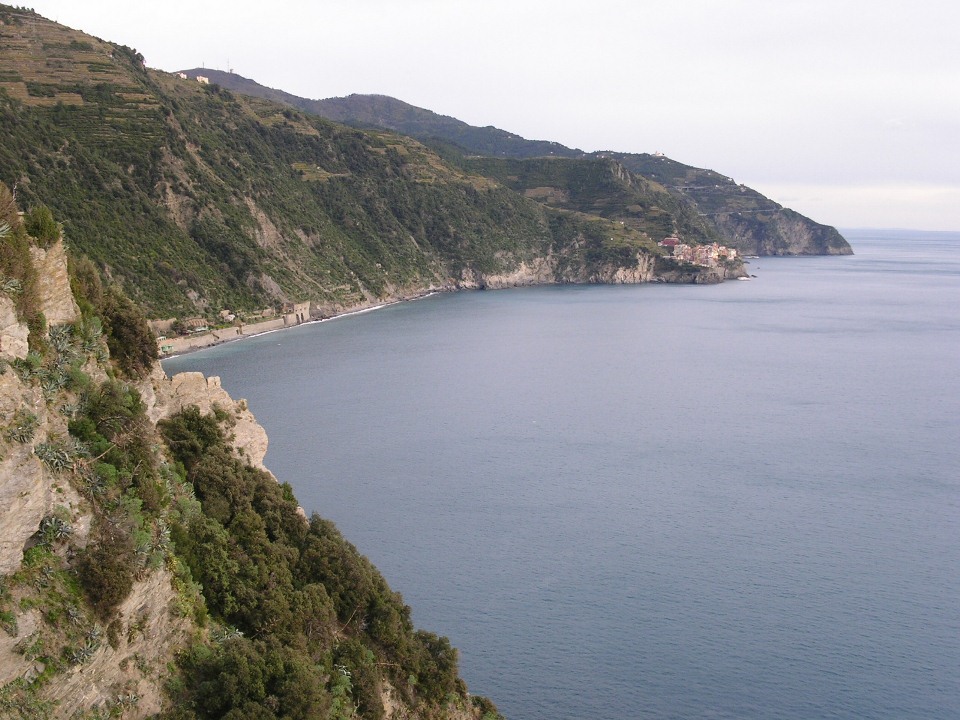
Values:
[(652, 501)]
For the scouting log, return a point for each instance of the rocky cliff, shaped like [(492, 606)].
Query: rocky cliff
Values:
[(142, 541), (27, 491), (126, 674)]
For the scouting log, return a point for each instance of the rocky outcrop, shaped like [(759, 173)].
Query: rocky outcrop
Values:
[(133, 666), (641, 272), (13, 664), (56, 300), (13, 333), (561, 269), (136, 666), (780, 232), (539, 271), (26, 491), (165, 397)]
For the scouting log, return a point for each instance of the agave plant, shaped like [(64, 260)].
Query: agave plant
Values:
[(28, 367), (53, 456), (74, 615), (161, 540), (61, 456), (61, 337), (53, 528), (90, 332), (78, 448), (70, 409), (127, 699), (11, 286), (94, 634), (82, 654), (44, 577), (23, 428), (53, 381)]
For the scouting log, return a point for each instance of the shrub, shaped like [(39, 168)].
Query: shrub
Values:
[(40, 225), (253, 679), (106, 569), (86, 285), (190, 434), (132, 344)]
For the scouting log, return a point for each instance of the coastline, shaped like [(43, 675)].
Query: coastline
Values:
[(222, 336), (525, 276)]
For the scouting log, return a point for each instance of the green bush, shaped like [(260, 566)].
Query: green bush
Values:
[(252, 679), (106, 569), (40, 225), (300, 585), (132, 344)]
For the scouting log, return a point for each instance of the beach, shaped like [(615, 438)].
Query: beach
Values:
[(175, 346)]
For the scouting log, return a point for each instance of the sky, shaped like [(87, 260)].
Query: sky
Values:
[(848, 112)]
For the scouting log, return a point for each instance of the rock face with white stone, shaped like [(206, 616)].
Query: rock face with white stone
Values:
[(13, 333), (26, 489), (165, 397), (56, 299)]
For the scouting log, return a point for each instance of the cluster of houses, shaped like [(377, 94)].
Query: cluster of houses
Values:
[(200, 78), (707, 255), (230, 325)]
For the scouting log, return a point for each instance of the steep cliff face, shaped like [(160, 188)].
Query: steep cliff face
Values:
[(129, 674), (150, 565), (56, 299), (166, 397), (28, 492), (13, 333), (781, 232), (553, 269), (125, 674)]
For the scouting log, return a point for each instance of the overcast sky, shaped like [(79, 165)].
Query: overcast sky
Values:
[(847, 111)]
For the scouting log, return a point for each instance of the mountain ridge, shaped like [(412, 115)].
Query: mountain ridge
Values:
[(741, 217), (197, 199)]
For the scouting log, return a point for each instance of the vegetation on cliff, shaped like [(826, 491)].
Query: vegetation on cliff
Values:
[(194, 199), (733, 214), (314, 621), (269, 615)]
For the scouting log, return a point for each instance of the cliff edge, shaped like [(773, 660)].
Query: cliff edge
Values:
[(150, 566)]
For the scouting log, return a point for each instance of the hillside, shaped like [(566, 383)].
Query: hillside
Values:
[(196, 199), (387, 113), (150, 566), (735, 214), (749, 221), (597, 186)]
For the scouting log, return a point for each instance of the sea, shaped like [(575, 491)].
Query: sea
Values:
[(652, 501)]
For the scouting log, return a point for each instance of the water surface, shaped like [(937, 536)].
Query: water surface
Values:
[(736, 501)]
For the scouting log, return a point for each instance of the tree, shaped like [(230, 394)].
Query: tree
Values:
[(132, 344), (40, 225)]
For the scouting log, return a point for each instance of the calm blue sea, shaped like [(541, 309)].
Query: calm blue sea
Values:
[(736, 501)]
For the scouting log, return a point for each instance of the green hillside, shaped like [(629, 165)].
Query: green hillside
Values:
[(196, 199), (749, 221), (387, 113), (600, 187), (714, 204)]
